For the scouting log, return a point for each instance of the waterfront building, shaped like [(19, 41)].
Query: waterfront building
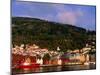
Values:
[(59, 62)]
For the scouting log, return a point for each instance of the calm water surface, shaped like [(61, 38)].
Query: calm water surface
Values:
[(55, 69)]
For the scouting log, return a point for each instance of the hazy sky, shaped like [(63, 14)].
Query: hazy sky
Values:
[(78, 15)]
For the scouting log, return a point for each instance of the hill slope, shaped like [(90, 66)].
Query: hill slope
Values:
[(47, 34)]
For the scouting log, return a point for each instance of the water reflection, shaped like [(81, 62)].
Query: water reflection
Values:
[(55, 69)]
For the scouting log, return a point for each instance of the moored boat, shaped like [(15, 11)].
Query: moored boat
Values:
[(27, 65)]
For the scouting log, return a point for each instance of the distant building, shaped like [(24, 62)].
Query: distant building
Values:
[(58, 49)]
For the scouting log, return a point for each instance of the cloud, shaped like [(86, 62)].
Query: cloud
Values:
[(67, 17), (70, 17)]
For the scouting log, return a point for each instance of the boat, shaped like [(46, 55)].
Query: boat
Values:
[(27, 65)]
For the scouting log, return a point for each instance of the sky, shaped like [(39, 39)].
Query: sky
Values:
[(78, 15)]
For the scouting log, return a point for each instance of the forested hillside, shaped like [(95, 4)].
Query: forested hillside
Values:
[(48, 34)]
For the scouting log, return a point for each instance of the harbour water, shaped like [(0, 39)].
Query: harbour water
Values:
[(54, 69)]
